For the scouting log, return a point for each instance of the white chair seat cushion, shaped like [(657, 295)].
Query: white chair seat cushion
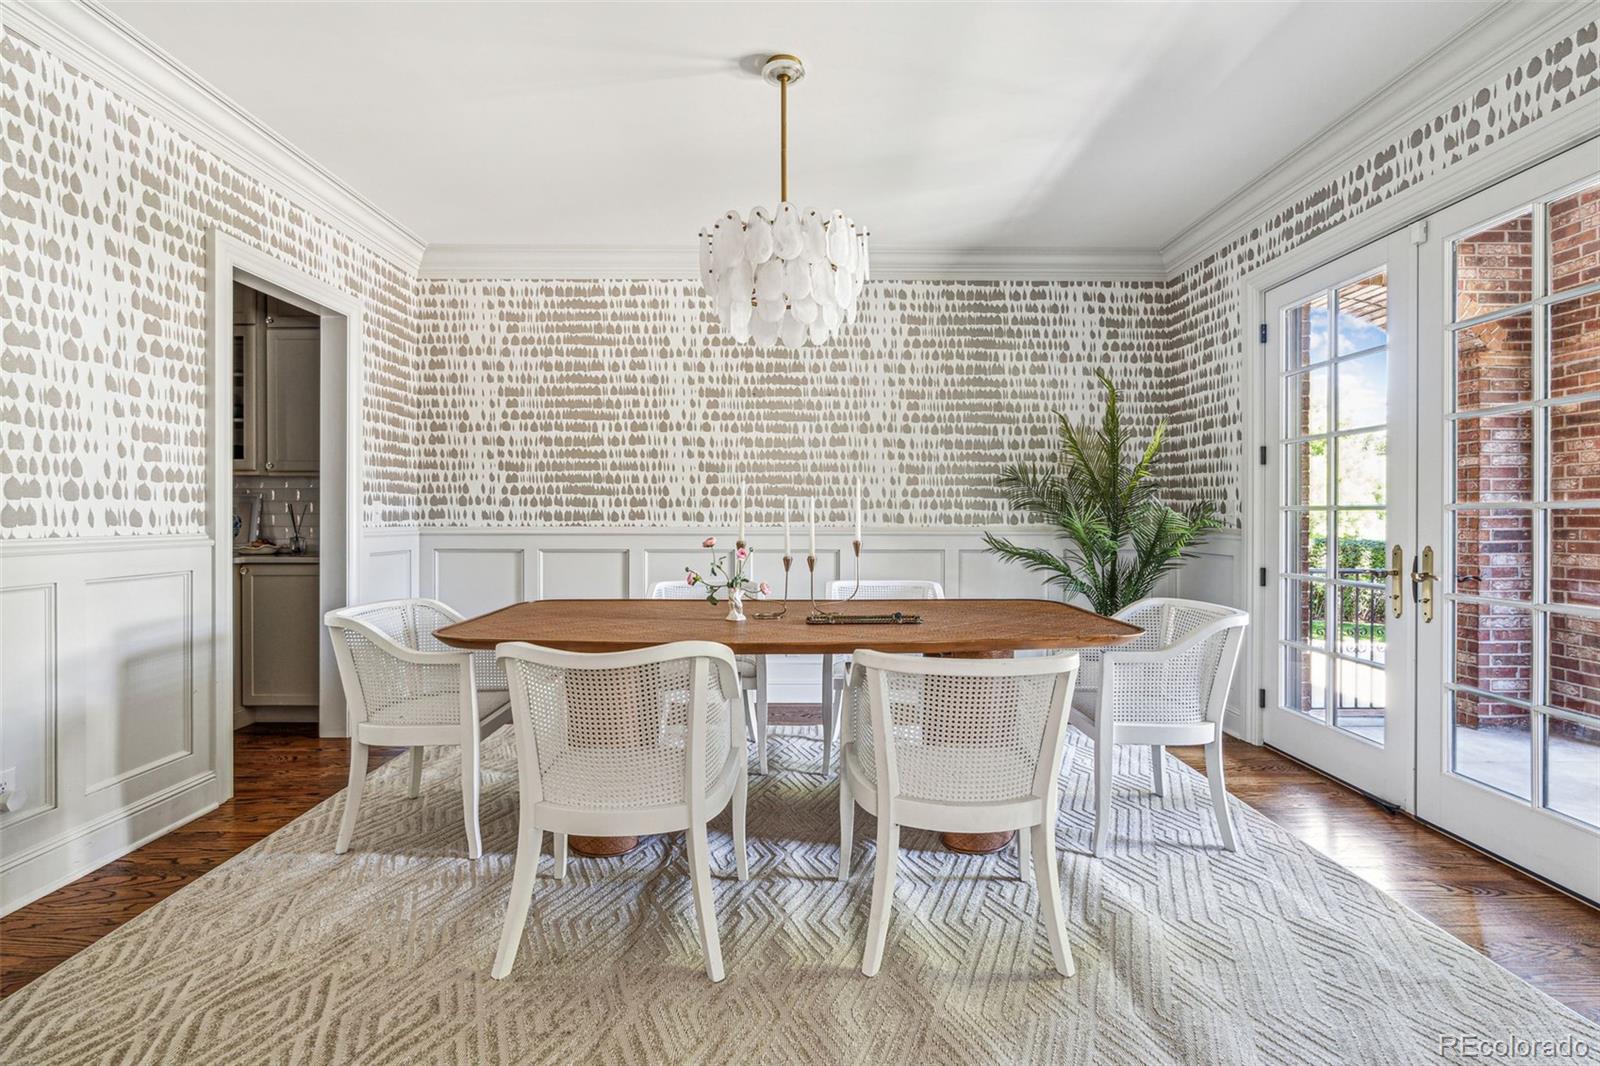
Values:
[(1086, 701), (490, 700), (612, 779)]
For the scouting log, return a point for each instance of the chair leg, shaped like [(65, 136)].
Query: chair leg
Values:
[(762, 724), (741, 794), (415, 789), (469, 793), (558, 851), (529, 839), (704, 906), (1158, 769), (1105, 750), (847, 824), (887, 859), (749, 713), (1048, 884), (827, 713), (1023, 853), (352, 796), (1219, 792)]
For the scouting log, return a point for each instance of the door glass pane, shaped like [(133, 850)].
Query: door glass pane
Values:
[(1575, 451), (1494, 459), (1361, 625), (1494, 649), (1305, 682), (1575, 557), (1362, 700), (1494, 363), (1575, 343), (1306, 334), (1494, 268), (1492, 743), (1308, 542), (1572, 768), (1363, 315), (1307, 468), (1364, 391), (1305, 606), (1363, 468), (1308, 403), (1494, 553), (1575, 240), (1573, 651)]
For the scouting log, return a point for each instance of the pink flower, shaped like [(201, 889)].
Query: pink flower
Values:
[(743, 553), (709, 542), (693, 578), (764, 588)]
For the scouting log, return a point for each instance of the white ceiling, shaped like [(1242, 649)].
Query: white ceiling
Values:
[(1061, 127)]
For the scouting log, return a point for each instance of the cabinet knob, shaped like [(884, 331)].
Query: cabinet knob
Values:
[(244, 570), (269, 466)]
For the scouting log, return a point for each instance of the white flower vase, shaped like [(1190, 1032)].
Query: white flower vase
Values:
[(735, 606)]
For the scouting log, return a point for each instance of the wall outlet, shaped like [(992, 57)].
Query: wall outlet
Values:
[(11, 797)]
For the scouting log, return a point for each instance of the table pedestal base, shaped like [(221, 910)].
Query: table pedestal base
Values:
[(602, 847), (976, 843)]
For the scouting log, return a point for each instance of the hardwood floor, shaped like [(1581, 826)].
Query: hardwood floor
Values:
[(1536, 932), (280, 772)]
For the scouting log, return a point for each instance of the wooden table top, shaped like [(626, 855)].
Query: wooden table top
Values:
[(954, 626)]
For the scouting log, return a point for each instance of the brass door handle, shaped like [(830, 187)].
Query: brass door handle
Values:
[(1422, 582), (1397, 581)]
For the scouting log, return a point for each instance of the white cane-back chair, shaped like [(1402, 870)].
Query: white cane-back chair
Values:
[(1169, 686), (752, 670), (955, 745), (404, 687), (833, 672), (624, 744)]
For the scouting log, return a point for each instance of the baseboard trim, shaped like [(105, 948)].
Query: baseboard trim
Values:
[(45, 868)]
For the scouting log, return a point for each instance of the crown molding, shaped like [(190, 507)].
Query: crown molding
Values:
[(555, 262), (110, 51), (1500, 36)]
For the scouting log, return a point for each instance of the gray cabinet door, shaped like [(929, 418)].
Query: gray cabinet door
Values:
[(278, 635), (290, 407)]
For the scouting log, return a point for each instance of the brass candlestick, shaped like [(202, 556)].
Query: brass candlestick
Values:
[(783, 609)]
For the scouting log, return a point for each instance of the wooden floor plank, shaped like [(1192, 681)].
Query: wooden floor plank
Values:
[(1535, 931)]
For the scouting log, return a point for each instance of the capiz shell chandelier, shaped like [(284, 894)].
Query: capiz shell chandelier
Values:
[(787, 276)]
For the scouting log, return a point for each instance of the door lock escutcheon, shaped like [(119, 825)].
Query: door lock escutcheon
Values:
[(1422, 582), (1397, 581)]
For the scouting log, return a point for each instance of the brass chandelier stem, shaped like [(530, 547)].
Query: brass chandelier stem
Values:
[(783, 138)]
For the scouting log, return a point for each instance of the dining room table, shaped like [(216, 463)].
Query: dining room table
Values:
[(965, 628)]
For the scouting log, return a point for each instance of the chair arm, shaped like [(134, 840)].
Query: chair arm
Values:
[(400, 651)]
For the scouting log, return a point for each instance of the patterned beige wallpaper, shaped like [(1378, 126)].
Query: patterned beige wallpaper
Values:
[(622, 403), (103, 219), (1208, 354), (608, 402)]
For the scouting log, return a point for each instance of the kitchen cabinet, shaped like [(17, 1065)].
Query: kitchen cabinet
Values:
[(289, 407), (277, 367), (278, 634)]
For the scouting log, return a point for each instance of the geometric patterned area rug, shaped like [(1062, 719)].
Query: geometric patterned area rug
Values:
[(1185, 953)]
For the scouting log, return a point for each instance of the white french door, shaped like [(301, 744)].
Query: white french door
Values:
[(1508, 684), (1430, 609), (1338, 380)]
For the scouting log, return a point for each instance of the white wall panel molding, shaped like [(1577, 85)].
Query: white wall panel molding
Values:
[(93, 39), (106, 701)]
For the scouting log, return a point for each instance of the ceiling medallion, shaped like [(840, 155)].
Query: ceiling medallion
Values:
[(785, 277)]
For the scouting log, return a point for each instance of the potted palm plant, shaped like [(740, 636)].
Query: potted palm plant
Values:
[(1101, 495)]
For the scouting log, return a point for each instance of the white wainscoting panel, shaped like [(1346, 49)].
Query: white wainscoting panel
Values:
[(106, 700), (475, 579), (28, 642), (1215, 573), (388, 564), (582, 574), (142, 677)]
